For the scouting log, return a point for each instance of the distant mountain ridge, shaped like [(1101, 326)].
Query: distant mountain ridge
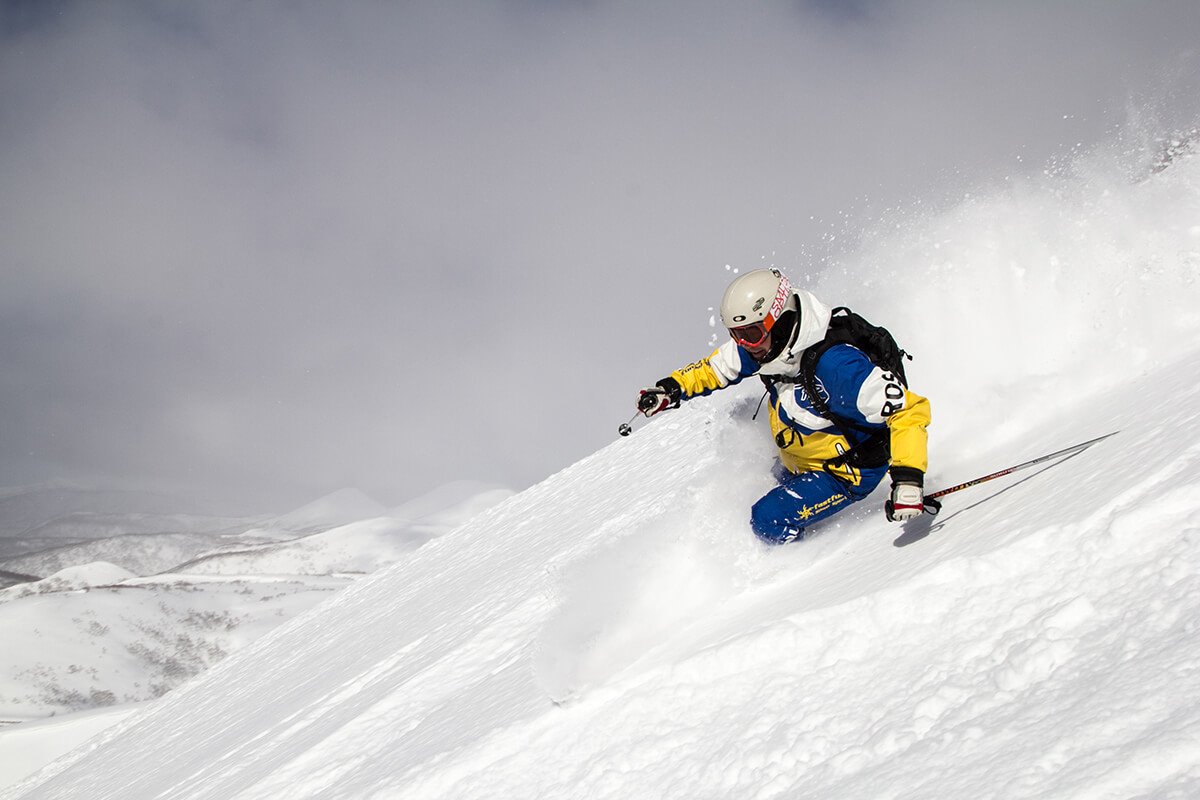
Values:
[(133, 614), (23, 508)]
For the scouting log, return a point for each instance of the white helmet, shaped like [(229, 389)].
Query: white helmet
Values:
[(757, 299)]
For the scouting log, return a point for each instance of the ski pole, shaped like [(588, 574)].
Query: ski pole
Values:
[(625, 428), (1010, 470), (645, 403)]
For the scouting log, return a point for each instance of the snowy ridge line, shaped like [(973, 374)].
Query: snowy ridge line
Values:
[(18, 577), (184, 578), (180, 580), (206, 557)]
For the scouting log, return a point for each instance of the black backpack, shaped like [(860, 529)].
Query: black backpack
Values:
[(847, 327)]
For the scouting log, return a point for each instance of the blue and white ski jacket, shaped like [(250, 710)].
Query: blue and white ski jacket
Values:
[(855, 388)]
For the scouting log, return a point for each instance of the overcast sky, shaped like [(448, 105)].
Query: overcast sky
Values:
[(256, 252)]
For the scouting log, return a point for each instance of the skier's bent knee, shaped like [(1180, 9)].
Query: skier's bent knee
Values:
[(770, 529)]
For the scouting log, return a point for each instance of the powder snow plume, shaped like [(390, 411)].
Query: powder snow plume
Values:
[(1039, 292)]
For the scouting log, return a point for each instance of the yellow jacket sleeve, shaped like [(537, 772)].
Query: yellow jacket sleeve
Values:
[(727, 365), (908, 436)]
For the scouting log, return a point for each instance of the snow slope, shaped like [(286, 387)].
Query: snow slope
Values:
[(25, 748), (992, 654), (1038, 641)]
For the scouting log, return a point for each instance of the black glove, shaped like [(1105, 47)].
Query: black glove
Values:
[(907, 500), (659, 397)]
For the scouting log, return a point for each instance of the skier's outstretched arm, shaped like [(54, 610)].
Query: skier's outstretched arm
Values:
[(727, 365)]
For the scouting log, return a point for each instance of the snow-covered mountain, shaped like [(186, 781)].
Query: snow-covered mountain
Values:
[(35, 519), (337, 508), (616, 631), (93, 639), (96, 635)]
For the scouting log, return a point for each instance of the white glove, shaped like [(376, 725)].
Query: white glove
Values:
[(907, 502), (908, 497)]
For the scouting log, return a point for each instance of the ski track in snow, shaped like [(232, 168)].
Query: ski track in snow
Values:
[(617, 632)]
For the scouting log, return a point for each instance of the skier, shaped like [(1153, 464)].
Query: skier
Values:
[(834, 449)]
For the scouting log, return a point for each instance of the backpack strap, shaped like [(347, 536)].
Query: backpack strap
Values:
[(873, 449), (807, 378)]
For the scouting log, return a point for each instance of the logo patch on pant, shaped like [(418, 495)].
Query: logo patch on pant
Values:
[(808, 512)]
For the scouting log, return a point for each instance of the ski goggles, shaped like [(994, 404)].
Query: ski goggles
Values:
[(750, 335)]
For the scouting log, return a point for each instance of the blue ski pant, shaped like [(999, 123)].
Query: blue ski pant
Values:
[(783, 513)]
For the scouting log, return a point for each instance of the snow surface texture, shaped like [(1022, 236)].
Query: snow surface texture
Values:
[(617, 632)]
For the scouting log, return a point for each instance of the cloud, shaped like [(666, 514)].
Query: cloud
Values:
[(261, 251)]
